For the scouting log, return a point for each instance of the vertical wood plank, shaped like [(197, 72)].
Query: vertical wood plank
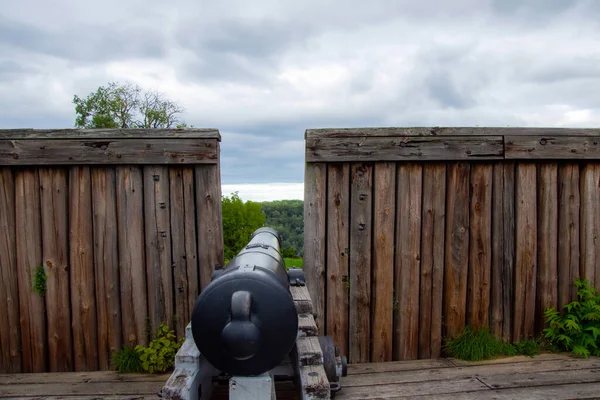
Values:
[(547, 277), (83, 290), (457, 248), (503, 250), (106, 262), (54, 211), (10, 342), (210, 227), (480, 246), (526, 251), (183, 236), (338, 245), (408, 266), (32, 312), (361, 201), (568, 232), (590, 223), (315, 190), (383, 261), (432, 261), (132, 277), (159, 270)]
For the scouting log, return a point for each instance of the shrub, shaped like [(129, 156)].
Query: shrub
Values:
[(159, 355), (127, 360)]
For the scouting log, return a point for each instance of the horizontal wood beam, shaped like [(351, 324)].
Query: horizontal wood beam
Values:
[(108, 151), (552, 147), (139, 133), (414, 148), (445, 131)]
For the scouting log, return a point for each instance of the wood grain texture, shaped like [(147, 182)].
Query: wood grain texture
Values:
[(431, 298), (503, 250), (10, 342), (338, 253), (106, 264), (302, 300), (547, 268), (55, 244), (361, 230), (101, 133), (480, 246), (83, 290), (32, 310), (184, 251), (408, 148), (590, 224), (568, 232), (526, 252), (384, 216), (107, 151), (210, 226), (132, 277), (456, 247), (552, 147), (408, 266), (159, 270), (315, 192), (446, 131)]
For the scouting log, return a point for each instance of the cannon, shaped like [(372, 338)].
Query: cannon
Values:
[(253, 325)]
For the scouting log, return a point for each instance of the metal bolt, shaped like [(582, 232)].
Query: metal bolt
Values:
[(156, 178), (361, 227)]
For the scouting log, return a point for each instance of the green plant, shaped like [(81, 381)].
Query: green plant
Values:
[(526, 348), (127, 360), (39, 280), (159, 355), (476, 345), (577, 328)]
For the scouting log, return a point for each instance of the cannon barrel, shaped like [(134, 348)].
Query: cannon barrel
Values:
[(245, 322)]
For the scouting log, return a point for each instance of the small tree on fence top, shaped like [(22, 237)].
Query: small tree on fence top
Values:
[(126, 106)]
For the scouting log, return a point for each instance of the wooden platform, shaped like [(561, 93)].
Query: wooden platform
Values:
[(547, 376)]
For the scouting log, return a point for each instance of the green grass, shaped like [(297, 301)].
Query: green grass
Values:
[(477, 345), (293, 262), (127, 360)]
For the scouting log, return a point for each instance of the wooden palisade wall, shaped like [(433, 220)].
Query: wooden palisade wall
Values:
[(127, 227), (413, 233)]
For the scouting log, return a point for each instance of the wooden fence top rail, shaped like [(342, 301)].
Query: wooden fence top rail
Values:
[(137, 133), (445, 131)]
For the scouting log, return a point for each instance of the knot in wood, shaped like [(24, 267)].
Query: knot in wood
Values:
[(543, 142)]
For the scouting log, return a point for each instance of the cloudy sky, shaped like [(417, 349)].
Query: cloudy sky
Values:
[(263, 71)]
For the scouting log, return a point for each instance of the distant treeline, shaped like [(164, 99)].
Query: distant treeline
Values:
[(287, 217)]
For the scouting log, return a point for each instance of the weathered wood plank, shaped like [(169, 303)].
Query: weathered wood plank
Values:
[(503, 250), (132, 276), (183, 239), (590, 224), (159, 270), (552, 148), (83, 291), (361, 229), (407, 148), (446, 131), (309, 351), (384, 217), (107, 151), (315, 184), (106, 264), (307, 325), (10, 342), (313, 383), (480, 246), (568, 232), (302, 299), (338, 252), (408, 266), (29, 259), (67, 378), (547, 276), (137, 133), (526, 252), (456, 248), (536, 379), (396, 366), (556, 392), (54, 211), (99, 389), (210, 227), (432, 260), (391, 391)]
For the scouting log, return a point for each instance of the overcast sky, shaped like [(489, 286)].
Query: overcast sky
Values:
[(263, 71)]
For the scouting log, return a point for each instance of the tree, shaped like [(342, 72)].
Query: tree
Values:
[(240, 220), (126, 106)]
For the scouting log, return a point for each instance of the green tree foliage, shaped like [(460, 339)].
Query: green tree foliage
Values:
[(287, 217), (126, 106), (240, 220)]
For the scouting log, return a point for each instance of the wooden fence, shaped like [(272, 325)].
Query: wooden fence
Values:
[(125, 225), (412, 234)]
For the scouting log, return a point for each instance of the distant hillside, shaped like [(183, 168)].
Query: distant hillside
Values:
[(287, 217)]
